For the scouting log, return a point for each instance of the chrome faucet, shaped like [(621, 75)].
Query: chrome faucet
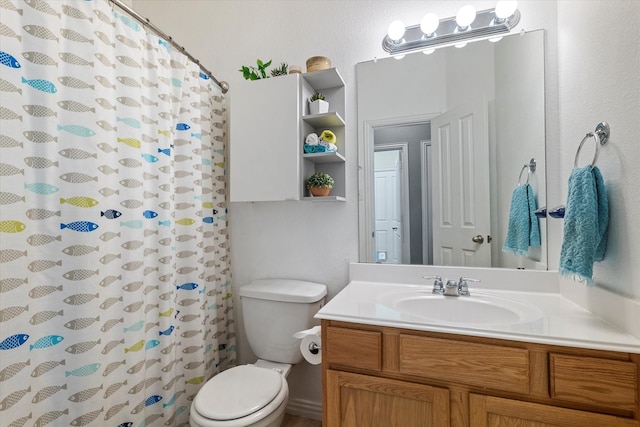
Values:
[(438, 288), (453, 288), (459, 288)]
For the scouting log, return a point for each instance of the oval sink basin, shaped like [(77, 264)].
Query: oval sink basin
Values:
[(479, 308)]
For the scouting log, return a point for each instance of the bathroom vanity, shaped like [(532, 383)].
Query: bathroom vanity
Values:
[(386, 364)]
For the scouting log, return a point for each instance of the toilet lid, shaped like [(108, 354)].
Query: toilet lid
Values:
[(237, 392)]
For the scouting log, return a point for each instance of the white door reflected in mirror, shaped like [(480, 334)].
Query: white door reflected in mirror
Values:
[(389, 194), (461, 186)]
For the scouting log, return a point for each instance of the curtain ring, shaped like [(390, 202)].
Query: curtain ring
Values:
[(528, 174), (596, 137)]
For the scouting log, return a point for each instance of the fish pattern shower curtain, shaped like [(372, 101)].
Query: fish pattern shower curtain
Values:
[(115, 296)]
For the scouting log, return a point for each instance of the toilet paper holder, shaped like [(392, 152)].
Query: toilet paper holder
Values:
[(314, 348)]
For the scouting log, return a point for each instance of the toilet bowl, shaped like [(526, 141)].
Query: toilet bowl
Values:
[(256, 395), (244, 396)]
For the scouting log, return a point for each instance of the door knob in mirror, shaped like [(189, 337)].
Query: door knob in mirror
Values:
[(478, 239)]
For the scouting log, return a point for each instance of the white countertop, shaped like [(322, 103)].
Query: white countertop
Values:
[(561, 322)]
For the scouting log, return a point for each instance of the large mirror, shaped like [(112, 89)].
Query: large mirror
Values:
[(444, 140)]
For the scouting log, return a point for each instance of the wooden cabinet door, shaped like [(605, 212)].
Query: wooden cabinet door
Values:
[(489, 411), (355, 400)]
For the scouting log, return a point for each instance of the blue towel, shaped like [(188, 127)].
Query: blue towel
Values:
[(524, 230), (586, 222), (309, 149)]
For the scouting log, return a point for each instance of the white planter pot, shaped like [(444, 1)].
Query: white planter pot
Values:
[(318, 107)]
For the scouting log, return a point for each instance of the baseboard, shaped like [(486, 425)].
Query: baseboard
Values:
[(305, 408)]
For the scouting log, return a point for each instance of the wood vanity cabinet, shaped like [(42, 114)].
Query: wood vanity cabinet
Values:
[(377, 376)]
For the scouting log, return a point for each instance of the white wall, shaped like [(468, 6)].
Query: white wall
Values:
[(592, 75), (599, 69)]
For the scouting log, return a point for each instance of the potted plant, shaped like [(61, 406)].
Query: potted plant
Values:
[(317, 104), (253, 73), (282, 70), (320, 184)]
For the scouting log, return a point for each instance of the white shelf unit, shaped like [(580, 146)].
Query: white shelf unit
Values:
[(269, 123), (331, 84)]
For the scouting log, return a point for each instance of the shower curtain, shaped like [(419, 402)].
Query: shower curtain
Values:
[(115, 296)]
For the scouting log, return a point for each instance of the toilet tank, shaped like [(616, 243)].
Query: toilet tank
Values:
[(273, 310)]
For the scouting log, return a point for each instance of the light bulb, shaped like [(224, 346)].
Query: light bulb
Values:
[(429, 23), (495, 39), (428, 51), (466, 15), (505, 8), (460, 45), (398, 57), (396, 30)]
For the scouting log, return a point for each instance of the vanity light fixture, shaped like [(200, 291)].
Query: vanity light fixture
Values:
[(465, 17), (429, 25), (396, 31), (465, 26)]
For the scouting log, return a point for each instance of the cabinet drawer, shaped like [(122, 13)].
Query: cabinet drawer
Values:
[(482, 365), (595, 381), (354, 348)]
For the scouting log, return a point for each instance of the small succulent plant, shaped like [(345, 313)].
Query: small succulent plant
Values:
[(316, 96), (283, 70), (320, 179)]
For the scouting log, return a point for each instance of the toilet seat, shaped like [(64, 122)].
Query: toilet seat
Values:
[(240, 396)]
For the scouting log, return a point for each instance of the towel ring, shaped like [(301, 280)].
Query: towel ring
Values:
[(525, 167), (531, 167), (600, 136)]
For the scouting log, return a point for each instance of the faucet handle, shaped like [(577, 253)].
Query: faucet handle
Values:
[(438, 287), (463, 287)]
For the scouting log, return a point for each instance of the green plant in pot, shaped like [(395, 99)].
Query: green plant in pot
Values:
[(316, 96), (320, 184), (318, 104), (282, 70), (253, 73)]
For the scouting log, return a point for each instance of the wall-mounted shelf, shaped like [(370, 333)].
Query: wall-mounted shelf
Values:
[(324, 199), (329, 119), (324, 79), (328, 157), (331, 84), (255, 150)]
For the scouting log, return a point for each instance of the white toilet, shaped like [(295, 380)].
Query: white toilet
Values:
[(256, 395)]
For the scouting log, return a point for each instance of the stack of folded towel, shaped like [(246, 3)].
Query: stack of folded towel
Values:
[(314, 148), (314, 144), (524, 230), (586, 222)]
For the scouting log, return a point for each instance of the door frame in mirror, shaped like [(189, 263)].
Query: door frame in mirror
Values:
[(403, 149), (427, 218), (366, 186)]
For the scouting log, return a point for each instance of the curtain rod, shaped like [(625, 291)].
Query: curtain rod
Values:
[(147, 23)]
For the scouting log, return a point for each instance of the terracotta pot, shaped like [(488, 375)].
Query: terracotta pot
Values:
[(320, 191)]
